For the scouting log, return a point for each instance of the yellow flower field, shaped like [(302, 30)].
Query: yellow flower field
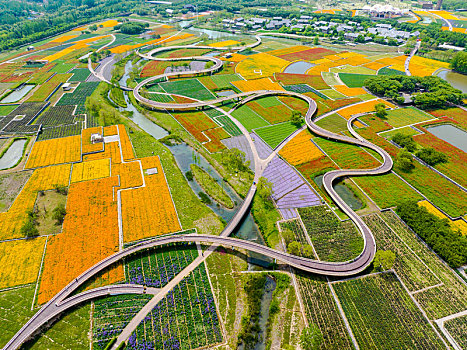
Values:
[(20, 261), (257, 84), (164, 39), (127, 147), (364, 107), (62, 39), (444, 14), (109, 24), (455, 224), (55, 151), (330, 11), (420, 66), (260, 65), (41, 180), (129, 173), (111, 150), (149, 211), (77, 45), (236, 57), (374, 65), (225, 43), (300, 149), (86, 145), (95, 169), (350, 92), (110, 130)]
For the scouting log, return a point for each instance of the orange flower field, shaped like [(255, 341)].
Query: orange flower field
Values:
[(300, 149), (127, 147), (350, 92), (42, 179), (20, 261), (130, 174), (257, 84), (90, 233), (86, 145), (149, 211), (55, 151), (111, 150), (94, 169), (364, 107), (110, 130)]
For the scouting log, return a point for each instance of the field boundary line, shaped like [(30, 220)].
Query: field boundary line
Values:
[(39, 273), (421, 310), (344, 318), (427, 288), (15, 287)]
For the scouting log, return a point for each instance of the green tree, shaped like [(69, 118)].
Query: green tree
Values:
[(294, 248), (316, 40), (431, 156), (380, 110), (311, 338), (405, 141), (307, 251), (384, 260), (29, 229), (404, 160), (296, 118), (288, 236), (59, 214), (459, 62)]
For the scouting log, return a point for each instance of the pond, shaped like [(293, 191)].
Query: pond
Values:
[(457, 80), (225, 93), (18, 94), (13, 154), (344, 192), (300, 67), (449, 133)]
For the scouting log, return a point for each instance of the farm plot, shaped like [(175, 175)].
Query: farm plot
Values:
[(148, 211), (304, 88), (257, 84), (195, 123), (228, 125), (249, 118), (300, 149), (457, 328), (28, 111), (79, 95), (388, 319), (406, 116), (55, 151), (275, 114), (46, 89), (312, 54), (350, 69), (321, 310), (350, 92), (111, 315), (42, 179), (87, 146), (62, 67), (315, 81), (405, 130), (295, 226), (408, 266), (5, 110), (331, 93), (91, 208), (364, 107), (330, 78), (457, 115), (61, 131), (260, 65), (273, 135), (223, 81), (334, 123), (347, 155), (189, 87), (185, 319), (80, 74), (20, 261), (390, 71), (354, 80), (333, 240), (386, 190), (56, 115), (440, 301), (92, 170), (215, 135)]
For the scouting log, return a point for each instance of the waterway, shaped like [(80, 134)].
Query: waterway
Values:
[(266, 300), (344, 192), (449, 133), (13, 155), (17, 95), (457, 80), (299, 67)]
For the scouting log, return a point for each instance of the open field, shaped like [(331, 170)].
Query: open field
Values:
[(261, 65), (249, 118), (55, 151), (189, 87), (273, 135), (406, 116), (300, 149)]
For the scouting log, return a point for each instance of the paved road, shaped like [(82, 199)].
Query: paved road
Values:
[(407, 61)]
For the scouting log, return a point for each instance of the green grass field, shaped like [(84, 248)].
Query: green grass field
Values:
[(334, 123), (390, 71), (249, 118), (330, 79), (331, 93), (353, 70), (354, 80), (406, 116), (223, 80), (383, 316), (62, 67), (228, 125), (80, 74), (190, 88), (273, 135), (4, 110), (267, 102), (406, 131)]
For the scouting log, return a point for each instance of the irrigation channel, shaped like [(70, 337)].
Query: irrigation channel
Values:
[(59, 303), (13, 154)]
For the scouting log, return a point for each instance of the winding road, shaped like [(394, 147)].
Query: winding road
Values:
[(62, 300)]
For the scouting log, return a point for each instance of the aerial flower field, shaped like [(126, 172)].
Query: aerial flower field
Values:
[(55, 151)]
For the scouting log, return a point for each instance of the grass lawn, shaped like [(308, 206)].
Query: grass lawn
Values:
[(249, 118), (406, 131), (406, 116), (354, 80), (269, 101), (4, 110), (45, 204), (353, 70), (331, 93), (223, 80), (189, 87), (273, 135), (403, 324), (62, 67), (330, 78), (334, 123), (390, 71)]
